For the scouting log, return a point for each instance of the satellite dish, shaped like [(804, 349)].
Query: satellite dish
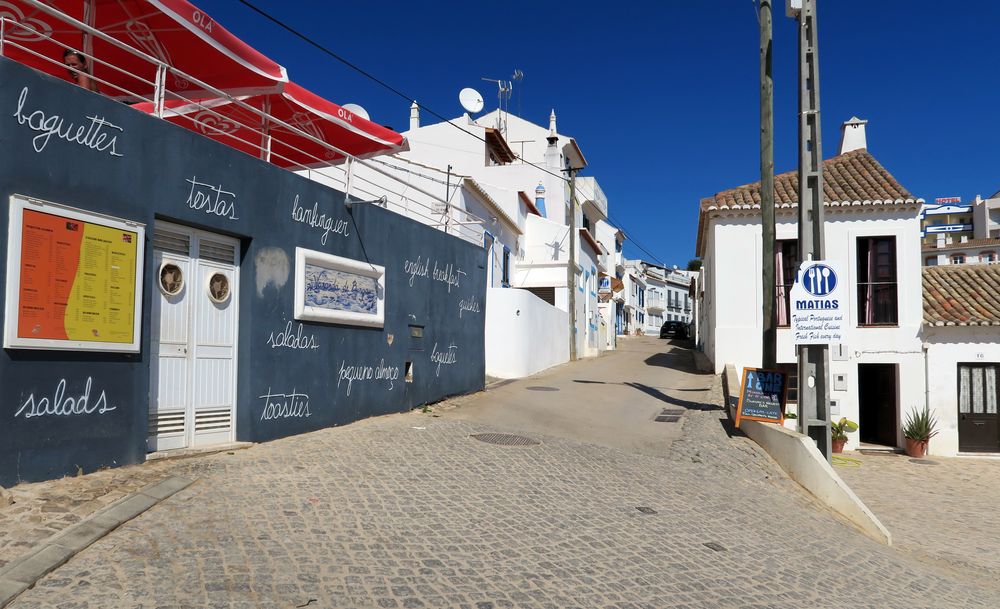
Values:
[(357, 110), (471, 100)]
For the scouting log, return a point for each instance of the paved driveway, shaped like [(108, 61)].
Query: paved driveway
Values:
[(411, 511)]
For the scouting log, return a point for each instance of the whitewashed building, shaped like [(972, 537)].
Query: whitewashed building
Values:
[(872, 231), (464, 177), (962, 345)]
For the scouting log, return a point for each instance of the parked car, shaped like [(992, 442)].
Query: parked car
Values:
[(673, 329)]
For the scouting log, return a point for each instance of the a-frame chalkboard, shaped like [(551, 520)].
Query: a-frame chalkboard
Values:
[(762, 396)]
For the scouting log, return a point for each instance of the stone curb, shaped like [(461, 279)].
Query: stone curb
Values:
[(25, 571)]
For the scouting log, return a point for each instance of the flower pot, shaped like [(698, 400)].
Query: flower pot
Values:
[(838, 445), (916, 448)]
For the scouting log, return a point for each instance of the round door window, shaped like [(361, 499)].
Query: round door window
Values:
[(171, 279), (218, 287)]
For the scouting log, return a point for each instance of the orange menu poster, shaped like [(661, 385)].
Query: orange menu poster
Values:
[(77, 280)]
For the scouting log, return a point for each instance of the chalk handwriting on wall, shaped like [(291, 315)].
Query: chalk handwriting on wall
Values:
[(62, 405), (470, 304), (361, 373), (211, 199), (272, 267), (91, 135), (312, 217), (443, 358), (417, 268), (284, 405), (449, 273), (292, 340)]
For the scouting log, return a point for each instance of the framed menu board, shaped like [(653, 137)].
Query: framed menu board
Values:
[(73, 279)]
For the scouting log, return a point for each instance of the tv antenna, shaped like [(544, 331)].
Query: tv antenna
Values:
[(504, 89)]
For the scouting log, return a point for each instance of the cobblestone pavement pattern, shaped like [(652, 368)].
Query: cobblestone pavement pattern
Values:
[(43, 509), (408, 511), (938, 509)]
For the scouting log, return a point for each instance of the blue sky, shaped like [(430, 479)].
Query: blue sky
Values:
[(663, 96)]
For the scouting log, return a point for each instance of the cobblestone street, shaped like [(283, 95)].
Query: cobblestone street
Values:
[(409, 511)]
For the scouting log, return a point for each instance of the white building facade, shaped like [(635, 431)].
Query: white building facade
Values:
[(462, 176), (872, 231)]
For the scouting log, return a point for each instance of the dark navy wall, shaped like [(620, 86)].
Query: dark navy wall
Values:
[(147, 175)]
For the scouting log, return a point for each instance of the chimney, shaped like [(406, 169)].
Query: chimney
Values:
[(414, 116), (552, 123), (540, 198), (852, 135)]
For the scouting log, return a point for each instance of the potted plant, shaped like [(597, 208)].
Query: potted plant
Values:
[(839, 431), (918, 428)]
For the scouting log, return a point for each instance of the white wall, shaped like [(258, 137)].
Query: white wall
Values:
[(733, 266), (948, 347), (524, 334)]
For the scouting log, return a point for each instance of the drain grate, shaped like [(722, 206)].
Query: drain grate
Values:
[(541, 388), (669, 415), (924, 462), (504, 439), (646, 510), (718, 547)]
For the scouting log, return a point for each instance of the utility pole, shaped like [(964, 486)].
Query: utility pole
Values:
[(769, 357), (571, 267), (814, 364)]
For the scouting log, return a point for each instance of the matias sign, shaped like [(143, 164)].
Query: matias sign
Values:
[(818, 304)]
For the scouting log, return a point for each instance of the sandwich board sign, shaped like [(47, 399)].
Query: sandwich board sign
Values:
[(762, 396), (818, 304)]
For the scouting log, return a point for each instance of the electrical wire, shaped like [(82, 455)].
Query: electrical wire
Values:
[(399, 93)]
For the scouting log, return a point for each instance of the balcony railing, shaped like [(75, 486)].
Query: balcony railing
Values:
[(440, 213)]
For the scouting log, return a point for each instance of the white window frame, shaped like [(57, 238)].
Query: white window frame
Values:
[(338, 263)]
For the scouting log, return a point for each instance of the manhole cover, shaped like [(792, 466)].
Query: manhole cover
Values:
[(504, 439), (540, 388)]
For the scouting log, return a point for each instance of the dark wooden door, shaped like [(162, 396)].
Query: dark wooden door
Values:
[(877, 418), (978, 429)]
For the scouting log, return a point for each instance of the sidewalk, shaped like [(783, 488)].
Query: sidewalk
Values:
[(939, 509)]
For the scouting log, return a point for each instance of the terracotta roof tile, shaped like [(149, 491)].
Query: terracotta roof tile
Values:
[(962, 295), (851, 178)]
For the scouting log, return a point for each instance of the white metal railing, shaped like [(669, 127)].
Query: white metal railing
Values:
[(440, 213)]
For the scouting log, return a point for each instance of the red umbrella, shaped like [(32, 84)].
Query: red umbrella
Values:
[(174, 32), (325, 122)]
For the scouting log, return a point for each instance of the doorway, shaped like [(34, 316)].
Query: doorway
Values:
[(194, 321), (878, 412), (978, 429)]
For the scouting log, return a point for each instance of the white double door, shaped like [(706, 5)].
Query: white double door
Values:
[(195, 320)]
